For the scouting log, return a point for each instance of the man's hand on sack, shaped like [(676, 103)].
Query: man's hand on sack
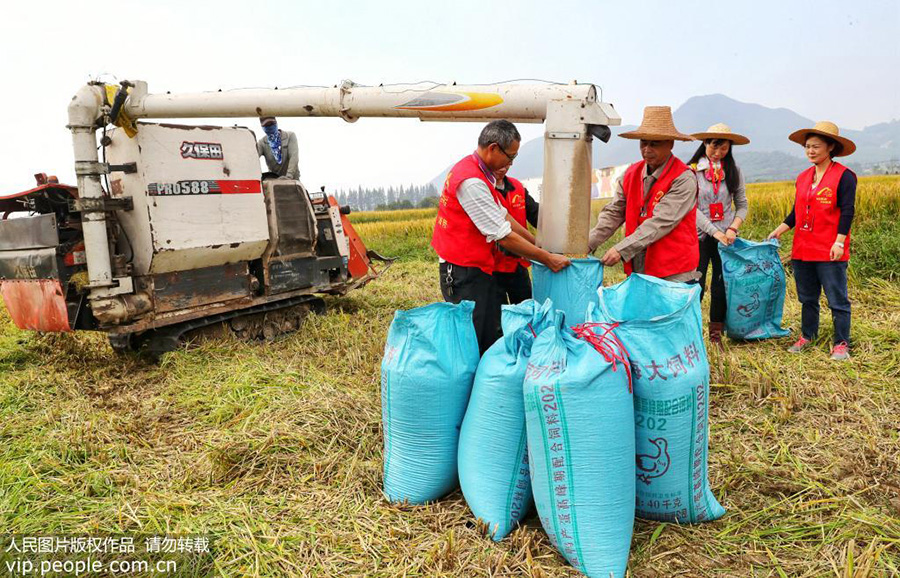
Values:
[(557, 263)]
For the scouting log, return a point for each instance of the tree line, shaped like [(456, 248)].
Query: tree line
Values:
[(390, 198)]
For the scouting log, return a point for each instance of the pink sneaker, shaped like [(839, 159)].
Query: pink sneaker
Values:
[(800, 345), (840, 352)]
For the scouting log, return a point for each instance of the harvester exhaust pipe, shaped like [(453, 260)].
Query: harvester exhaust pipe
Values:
[(119, 100)]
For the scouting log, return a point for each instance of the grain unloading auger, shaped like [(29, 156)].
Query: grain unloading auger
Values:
[(175, 228)]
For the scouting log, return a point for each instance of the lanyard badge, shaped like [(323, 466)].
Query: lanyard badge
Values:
[(807, 224)]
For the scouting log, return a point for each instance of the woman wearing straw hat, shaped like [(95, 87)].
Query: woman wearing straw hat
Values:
[(721, 208), (823, 212), (656, 199)]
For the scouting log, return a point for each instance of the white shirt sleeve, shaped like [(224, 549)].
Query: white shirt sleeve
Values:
[(485, 212)]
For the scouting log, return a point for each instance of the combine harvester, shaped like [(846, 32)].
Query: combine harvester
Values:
[(176, 229)]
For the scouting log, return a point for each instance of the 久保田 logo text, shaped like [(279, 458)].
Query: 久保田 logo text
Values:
[(201, 150)]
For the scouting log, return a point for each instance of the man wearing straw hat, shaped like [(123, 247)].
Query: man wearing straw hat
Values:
[(656, 199)]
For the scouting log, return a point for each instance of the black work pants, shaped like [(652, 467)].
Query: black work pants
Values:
[(514, 287), (709, 254), (472, 284)]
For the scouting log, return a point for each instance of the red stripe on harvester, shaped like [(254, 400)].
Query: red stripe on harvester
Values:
[(239, 187)]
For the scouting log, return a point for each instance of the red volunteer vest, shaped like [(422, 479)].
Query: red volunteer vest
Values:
[(677, 252), (819, 208), (514, 202), (456, 239)]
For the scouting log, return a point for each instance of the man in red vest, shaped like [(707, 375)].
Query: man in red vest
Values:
[(656, 199), (471, 223), (510, 271)]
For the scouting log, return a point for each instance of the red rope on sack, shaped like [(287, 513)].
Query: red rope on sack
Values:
[(532, 330), (607, 344)]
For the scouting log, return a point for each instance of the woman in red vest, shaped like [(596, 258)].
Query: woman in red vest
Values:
[(721, 208), (823, 212)]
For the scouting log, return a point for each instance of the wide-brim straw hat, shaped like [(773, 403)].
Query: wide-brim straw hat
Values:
[(828, 129), (657, 124), (723, 132)]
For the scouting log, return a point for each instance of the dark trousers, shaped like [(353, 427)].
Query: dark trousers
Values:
[(514, 287), (709, 253), (473, 284), (831, 276)]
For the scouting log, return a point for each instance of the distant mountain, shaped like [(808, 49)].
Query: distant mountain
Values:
[(769, 156), (770, 166)]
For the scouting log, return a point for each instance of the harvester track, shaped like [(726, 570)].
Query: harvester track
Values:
[(267, 322)]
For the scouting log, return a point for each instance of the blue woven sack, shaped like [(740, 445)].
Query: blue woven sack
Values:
[(659, 323), (571, 289), (493, 462), (426, 377), (754, 289), (578, 413)]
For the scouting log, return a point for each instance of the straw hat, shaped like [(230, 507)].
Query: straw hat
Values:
[(721, 131), (829, 129), (657, 125)]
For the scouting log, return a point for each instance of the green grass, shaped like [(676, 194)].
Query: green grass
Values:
[(276, 450)]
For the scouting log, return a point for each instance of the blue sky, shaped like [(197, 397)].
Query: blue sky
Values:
[(825, 60)]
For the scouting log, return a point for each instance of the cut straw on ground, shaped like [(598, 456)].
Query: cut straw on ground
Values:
[(276, 450)]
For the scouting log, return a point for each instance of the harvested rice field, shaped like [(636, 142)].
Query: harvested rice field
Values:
[(274, 450)]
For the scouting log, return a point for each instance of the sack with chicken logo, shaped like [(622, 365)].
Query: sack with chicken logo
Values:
[(578, 415), (754, 289), (426, 377), (660, 324)]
